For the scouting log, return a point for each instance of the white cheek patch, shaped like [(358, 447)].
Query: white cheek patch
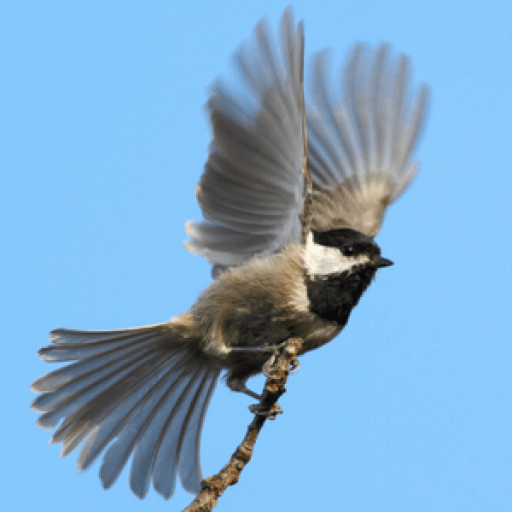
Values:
[(321, 260)]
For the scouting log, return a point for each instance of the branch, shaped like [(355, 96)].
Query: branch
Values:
[(213, 487)]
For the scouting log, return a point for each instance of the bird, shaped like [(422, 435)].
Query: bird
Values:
[(292, 252)]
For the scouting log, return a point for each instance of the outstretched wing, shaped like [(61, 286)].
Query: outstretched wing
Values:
[(252, 190), (360, 147)]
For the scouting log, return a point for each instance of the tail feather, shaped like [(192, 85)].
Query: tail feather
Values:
[(74, 350), (172, 405), (64, 390), (140, 391), (107, 394), (177, 425), (118, 452), (123, 412), (70, 405), (75, 371), (189, 462), (119, 336)]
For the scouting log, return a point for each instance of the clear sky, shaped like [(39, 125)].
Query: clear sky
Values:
[(103, 136)]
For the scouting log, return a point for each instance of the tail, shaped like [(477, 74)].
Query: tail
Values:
[(136, 391)]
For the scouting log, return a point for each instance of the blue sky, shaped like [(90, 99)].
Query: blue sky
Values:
[(103, 137)]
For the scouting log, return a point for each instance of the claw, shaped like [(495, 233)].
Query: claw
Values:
[(295, 365), (268, 366)]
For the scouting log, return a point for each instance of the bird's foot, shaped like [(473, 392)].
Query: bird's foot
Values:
[(269, 367), (270, 414)]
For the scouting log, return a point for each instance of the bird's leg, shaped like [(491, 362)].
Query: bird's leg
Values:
[(268, 369), (235, 384), (257, 349), (244, 389), (238, 385)]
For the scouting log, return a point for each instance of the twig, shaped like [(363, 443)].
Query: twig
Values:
[(213, 487)]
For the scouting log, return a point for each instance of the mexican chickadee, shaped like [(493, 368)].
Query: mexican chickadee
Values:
[(143, 392)]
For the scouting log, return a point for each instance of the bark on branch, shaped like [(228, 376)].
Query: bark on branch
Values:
[(277, 374)]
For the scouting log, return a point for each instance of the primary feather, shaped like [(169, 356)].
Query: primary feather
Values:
[(360, 146), (252, 190)]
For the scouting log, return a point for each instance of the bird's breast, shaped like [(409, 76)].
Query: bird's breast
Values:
[(333, 297)]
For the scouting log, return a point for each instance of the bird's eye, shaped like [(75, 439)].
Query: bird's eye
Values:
[(348, 250)]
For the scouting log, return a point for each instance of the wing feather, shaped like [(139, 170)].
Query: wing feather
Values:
[(360, 147), (252, 190)]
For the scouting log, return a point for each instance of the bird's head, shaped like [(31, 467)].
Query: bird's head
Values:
[(340, 251)]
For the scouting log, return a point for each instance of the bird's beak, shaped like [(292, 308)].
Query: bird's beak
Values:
[(383, 262)]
